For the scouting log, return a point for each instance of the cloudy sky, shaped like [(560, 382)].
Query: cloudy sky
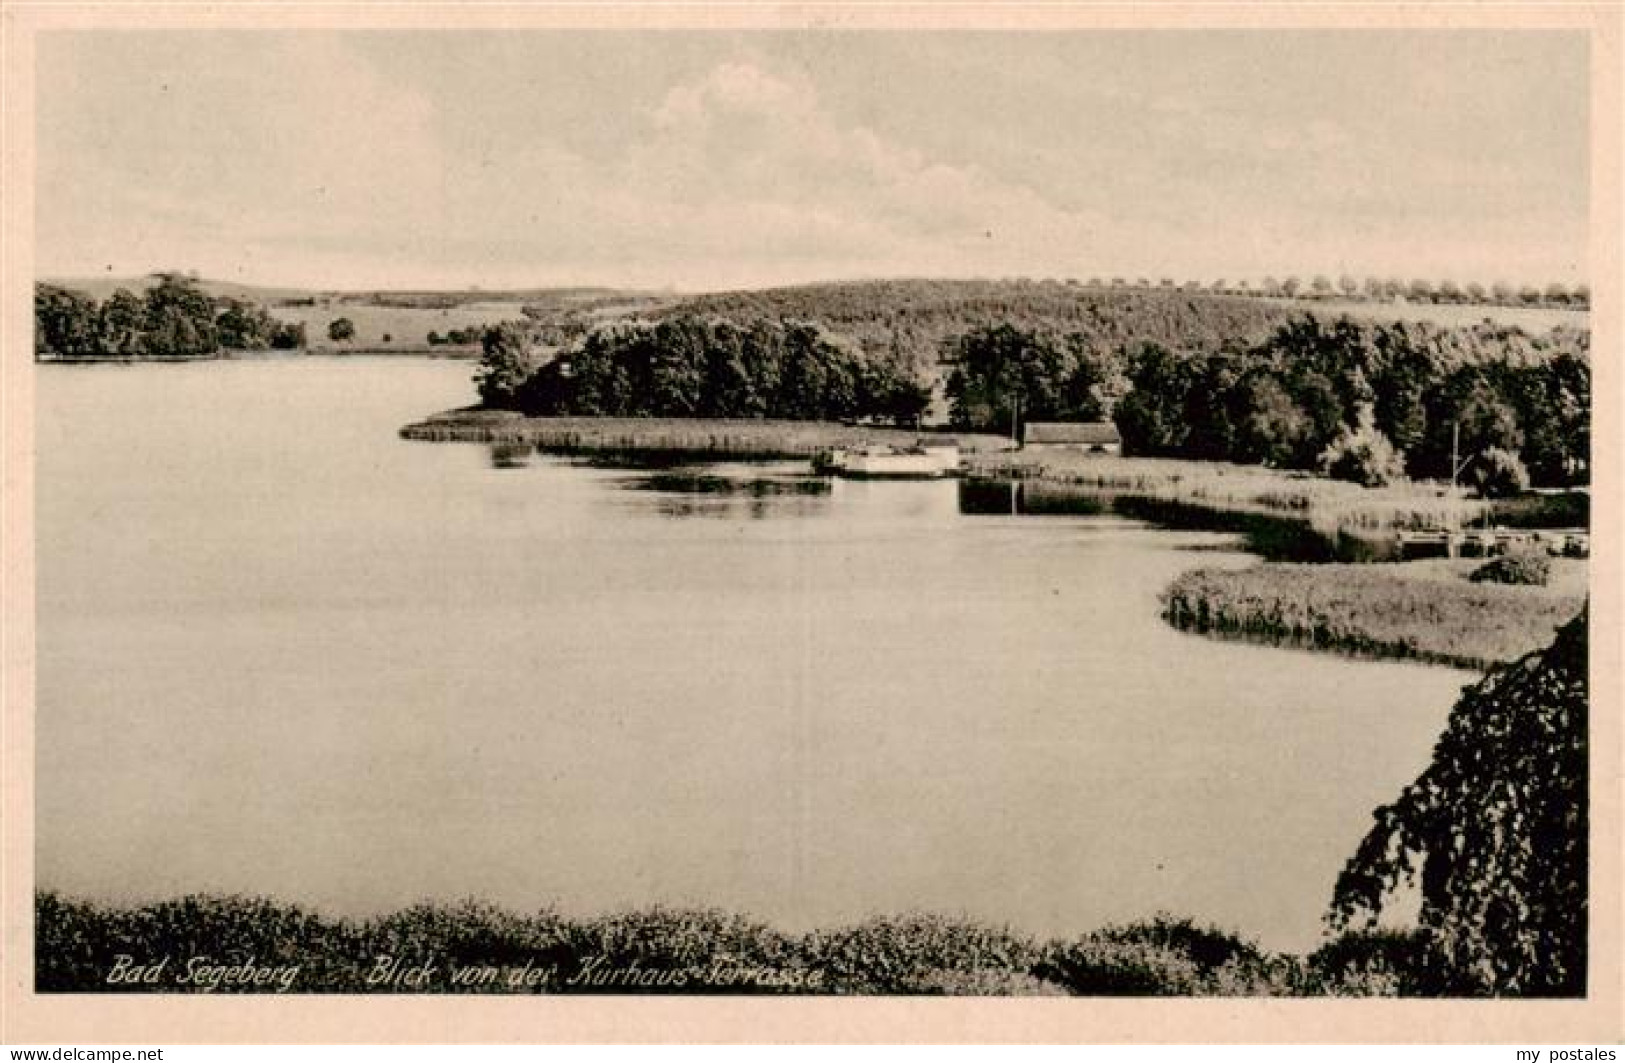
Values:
[(701, 160)]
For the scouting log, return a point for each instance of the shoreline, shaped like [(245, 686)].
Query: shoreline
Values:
[(691, 438), (1324, 541), (1330, 507)]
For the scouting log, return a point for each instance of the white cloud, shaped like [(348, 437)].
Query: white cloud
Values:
[(306, 158)]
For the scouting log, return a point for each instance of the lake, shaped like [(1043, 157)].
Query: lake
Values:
[(282, 651)]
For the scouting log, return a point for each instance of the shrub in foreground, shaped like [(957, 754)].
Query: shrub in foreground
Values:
[(915, 954), (1374, 963), (1495, 830), (1164, 957), (1524, 569)]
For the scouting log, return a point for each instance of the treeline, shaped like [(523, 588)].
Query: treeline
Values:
[(172, 319), (457, 337), (692, 366), (1359, 400), (1378, 289)]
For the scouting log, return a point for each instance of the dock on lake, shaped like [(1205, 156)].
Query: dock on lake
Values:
[(1492, 542)]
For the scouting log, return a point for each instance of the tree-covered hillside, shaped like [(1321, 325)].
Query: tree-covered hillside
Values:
[(912, 319)]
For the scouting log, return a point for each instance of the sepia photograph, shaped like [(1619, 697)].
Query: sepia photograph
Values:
[(794, 509)]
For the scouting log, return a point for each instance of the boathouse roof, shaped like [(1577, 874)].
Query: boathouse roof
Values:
[(1087, 433)]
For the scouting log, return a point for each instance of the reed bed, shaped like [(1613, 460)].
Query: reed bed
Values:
[(695, 437), (1329, 506), (1419, 611)]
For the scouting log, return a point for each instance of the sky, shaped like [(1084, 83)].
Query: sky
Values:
[(702, 160)]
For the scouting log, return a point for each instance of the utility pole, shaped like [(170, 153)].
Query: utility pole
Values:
[(1456, 466), (1455, 470)]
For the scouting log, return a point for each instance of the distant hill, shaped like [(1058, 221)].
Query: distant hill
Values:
[(912, 317), (99, 288), (904, 319), (435, 299)]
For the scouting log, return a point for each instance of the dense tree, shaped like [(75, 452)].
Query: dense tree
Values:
[(1363, 455), (505, 365), (244, 326), (289, 335), (1495, 833), (120, 323), (1497, 473), (693, 366), (172, 319), (341, 330), (65, 323), (1428, 392), (1005, 376), (178, 320)]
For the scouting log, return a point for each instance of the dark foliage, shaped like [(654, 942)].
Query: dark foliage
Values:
[(173, 319), (1430, 394), (688, 366), (1374, 963), (1005, 376), (1526, 569), (1164, 957), (1496, 828)]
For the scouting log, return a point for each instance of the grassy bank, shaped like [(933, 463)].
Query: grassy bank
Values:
[(233, 944), (1422, 610), (1328, 506), (681, 437)]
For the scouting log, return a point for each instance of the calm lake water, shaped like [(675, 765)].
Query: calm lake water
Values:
[(284, 652)]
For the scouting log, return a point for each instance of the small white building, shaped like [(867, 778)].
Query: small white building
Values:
[(1088, 437)]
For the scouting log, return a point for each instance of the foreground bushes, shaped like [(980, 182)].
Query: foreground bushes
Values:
[(1530, 570), (1166, 957), (477, 948)]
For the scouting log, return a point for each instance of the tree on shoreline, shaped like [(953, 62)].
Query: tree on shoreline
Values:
[(172, 319), (693, 366), (505, 365)]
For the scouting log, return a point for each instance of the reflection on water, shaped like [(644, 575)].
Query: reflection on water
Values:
[(1020, 498), (724, 491), (283, 652), (511, 455), (1276, 538), (714, 482)]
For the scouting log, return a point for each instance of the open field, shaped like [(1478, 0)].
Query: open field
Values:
[(476, 948), (407, 327), (1423, 610)]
